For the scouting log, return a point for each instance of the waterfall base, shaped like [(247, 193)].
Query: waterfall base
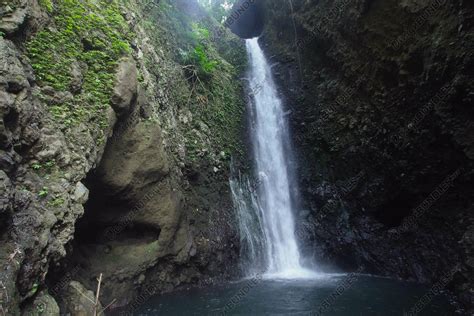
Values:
[(294, 274), (343, 295)]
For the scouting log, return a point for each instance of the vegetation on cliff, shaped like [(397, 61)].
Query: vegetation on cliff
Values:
[(83, 43), (143, 86), (212, 61)]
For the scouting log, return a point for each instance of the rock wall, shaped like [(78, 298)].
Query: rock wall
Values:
[(117, 130), (380, 94)]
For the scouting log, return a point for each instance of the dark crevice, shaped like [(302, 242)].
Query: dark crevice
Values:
[(102, 210), (392, 213), (11, 120)]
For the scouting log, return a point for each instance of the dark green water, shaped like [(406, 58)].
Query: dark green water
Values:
[(364, 295)]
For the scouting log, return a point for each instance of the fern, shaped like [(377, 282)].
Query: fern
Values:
[(200, 55)]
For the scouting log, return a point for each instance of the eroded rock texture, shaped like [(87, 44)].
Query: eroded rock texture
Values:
[(381, 95), (114, 152)]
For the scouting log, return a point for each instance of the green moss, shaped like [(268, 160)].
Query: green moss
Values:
[(47, 5), (92, 33)]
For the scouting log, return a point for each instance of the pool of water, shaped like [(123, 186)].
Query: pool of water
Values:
[(344, 294)]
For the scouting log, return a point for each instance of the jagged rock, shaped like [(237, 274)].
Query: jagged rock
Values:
[(7, 100), (81, 193), (77, 76), (125, 88), (14, 77), (12, 18), (43, 304), (53, 149), (5, 192), (53, 146)]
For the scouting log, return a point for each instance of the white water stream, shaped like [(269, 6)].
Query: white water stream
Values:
[(268, 213)]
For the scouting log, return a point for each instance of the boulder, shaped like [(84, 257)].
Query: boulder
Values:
[(125, 88), (81, 193), (137, 156), (77, 76), (13, 17), (13, 75), (78, 301), (44, 304)]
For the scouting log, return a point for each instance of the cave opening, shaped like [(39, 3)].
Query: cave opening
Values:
[(107, 226), (107, 211)]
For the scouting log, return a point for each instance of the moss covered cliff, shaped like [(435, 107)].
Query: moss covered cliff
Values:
[(119, 120)]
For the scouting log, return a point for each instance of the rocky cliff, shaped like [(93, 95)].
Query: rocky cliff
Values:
[(119, 119), (381, 94)]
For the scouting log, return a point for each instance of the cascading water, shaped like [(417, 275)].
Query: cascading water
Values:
[(270, 204)]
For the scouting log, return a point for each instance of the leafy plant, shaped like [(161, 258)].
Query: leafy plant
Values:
[(202, 60), (56, 202), (47, 5), (50, 164), (43, 192), (200, 33), (198, 55), (34, 289)]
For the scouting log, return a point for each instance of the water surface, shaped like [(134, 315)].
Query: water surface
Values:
[(365, 295)]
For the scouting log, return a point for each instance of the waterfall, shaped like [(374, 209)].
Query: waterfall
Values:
[(265, 208)]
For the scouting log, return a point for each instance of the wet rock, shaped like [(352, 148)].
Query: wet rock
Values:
[(53, 147), (385, 104)]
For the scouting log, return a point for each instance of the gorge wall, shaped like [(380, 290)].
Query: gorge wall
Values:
[(380, 97), (118, 122)]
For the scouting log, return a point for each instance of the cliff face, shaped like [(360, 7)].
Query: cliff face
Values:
[(381, 94), (117, 130)]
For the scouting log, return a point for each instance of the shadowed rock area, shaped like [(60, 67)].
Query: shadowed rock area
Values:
[(380, 95)]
